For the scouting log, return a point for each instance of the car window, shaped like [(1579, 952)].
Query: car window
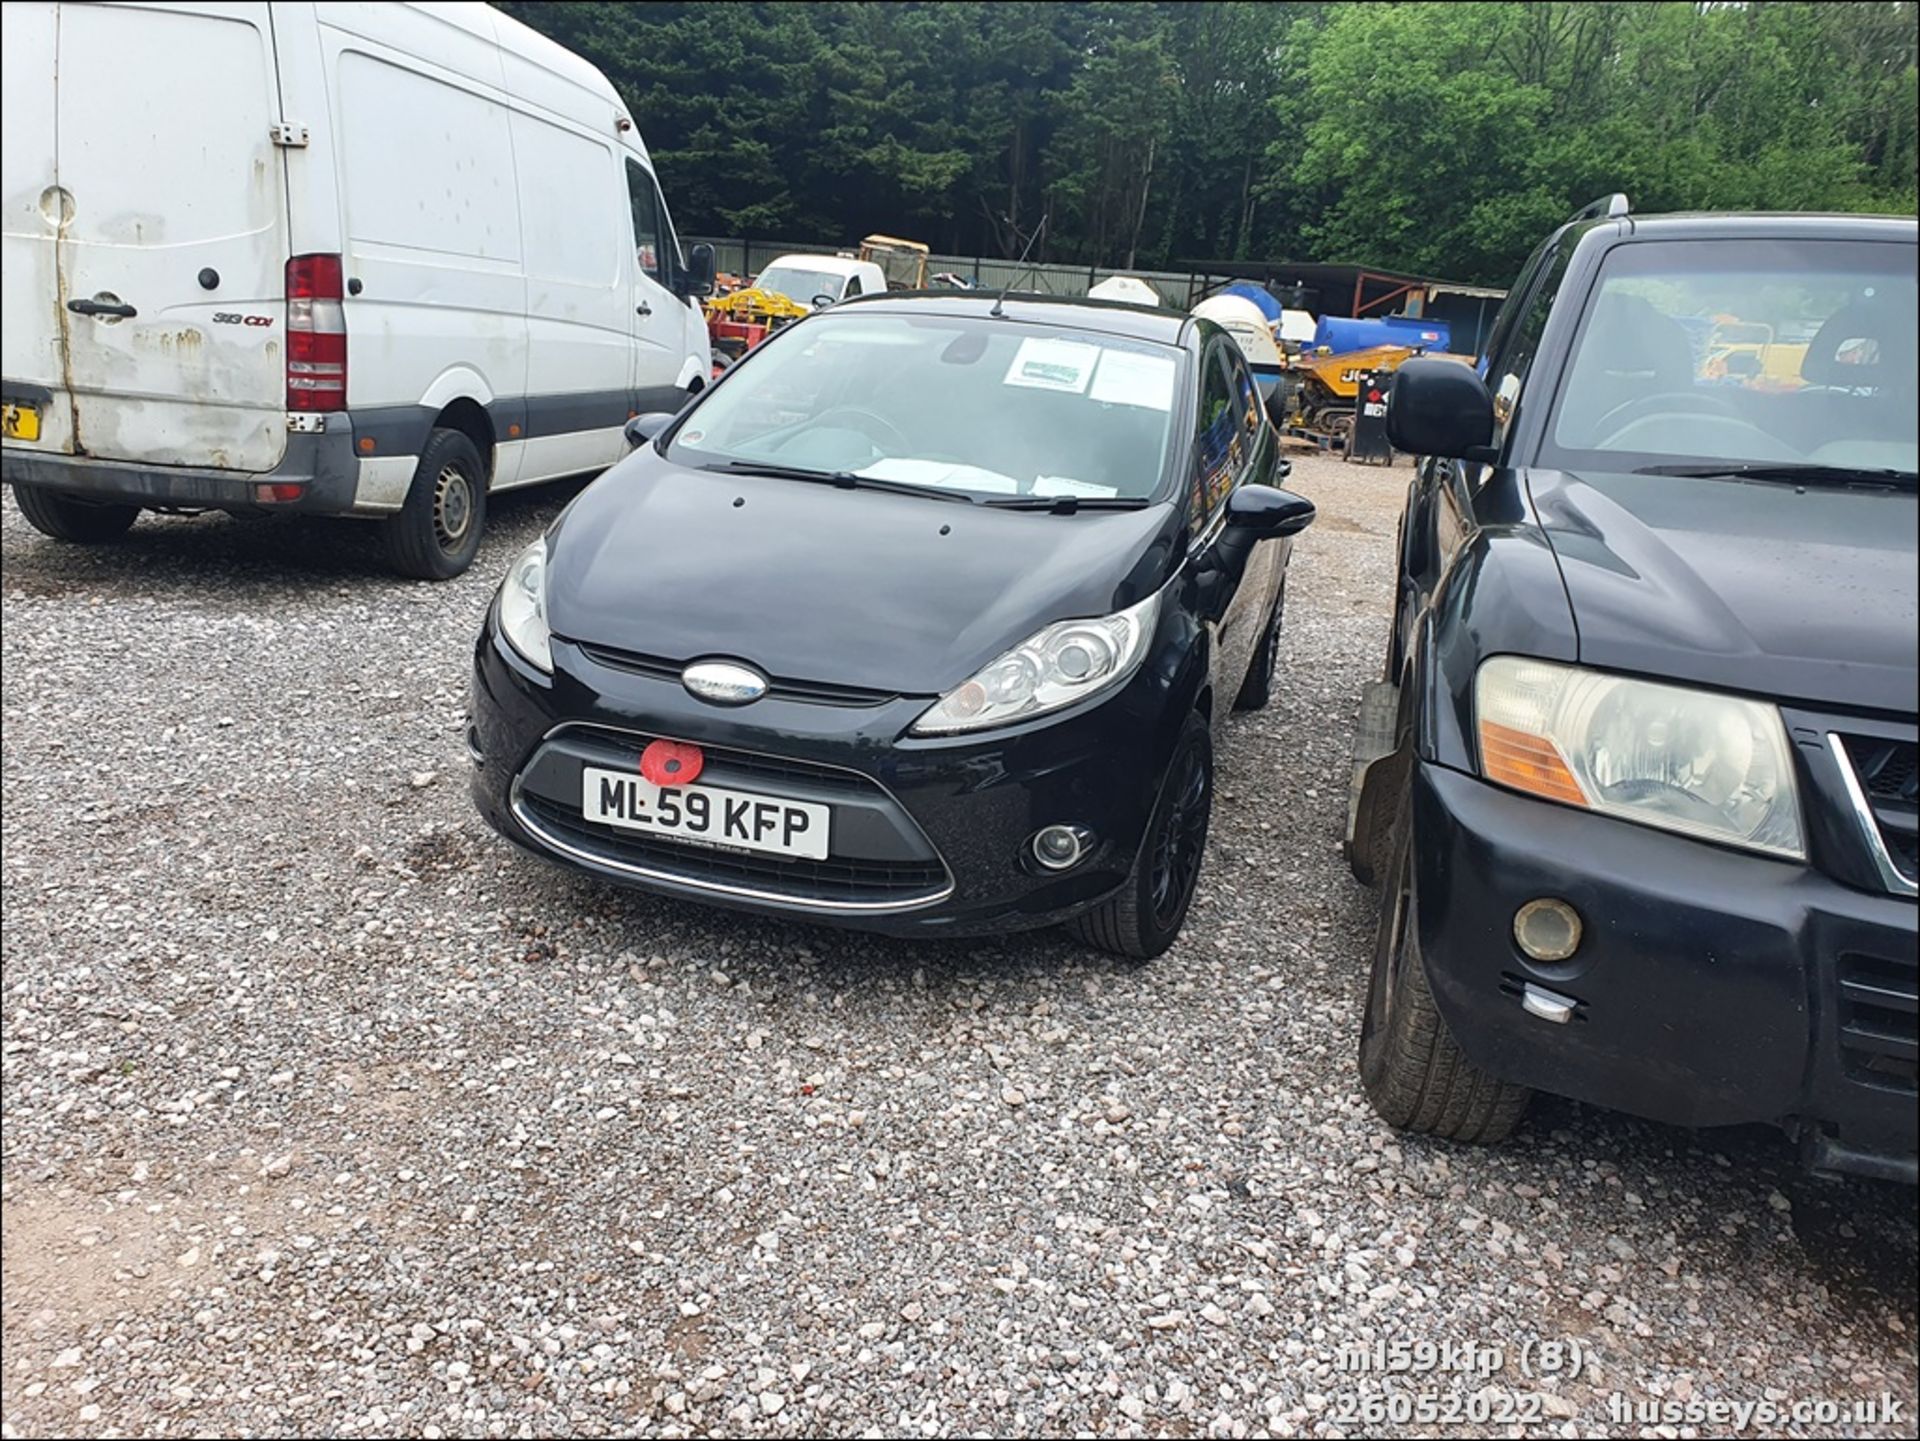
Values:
[(1763, 351), (987, 407), (853, 287), (649, 224), (1219, 449), (1246, 396)]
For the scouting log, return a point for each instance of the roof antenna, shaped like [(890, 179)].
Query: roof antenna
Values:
[(1019, 275)]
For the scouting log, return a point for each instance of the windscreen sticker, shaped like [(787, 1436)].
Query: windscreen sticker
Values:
[(1128, 378), (1045, 364), (1066, 485)]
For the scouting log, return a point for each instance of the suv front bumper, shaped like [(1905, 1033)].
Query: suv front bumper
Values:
[(1713, 987)]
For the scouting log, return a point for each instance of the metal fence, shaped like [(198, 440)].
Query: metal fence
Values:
[(1177, 287)]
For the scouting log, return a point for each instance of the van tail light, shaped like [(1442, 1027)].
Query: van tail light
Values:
[(316, 334)]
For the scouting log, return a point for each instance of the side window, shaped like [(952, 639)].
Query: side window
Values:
[(1246, 397), (1220, 444), (853, 287), (649, 224), (1508, 371)]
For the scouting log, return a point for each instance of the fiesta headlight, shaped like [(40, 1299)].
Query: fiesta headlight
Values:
[(523, 607), (1698, 762), (1059, 666)]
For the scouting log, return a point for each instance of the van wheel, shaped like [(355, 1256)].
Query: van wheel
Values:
[(79, 521), (437, 532), (1413, 1072), (1144, 917)]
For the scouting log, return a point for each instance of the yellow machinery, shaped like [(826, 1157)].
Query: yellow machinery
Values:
[(903, 262), (1746, 352), (1321, 388), (738, 322)]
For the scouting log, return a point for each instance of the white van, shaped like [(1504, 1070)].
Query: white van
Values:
[(359, 259)]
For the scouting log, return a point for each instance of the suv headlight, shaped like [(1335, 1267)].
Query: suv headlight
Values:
[(1059, 666), (1707, 765), (523, 606)]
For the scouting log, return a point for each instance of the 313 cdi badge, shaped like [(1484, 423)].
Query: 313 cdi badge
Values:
[(922, 620)]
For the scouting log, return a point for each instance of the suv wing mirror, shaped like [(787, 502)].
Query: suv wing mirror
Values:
[(1440, 407)]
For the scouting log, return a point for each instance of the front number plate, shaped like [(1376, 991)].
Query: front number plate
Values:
[(19, 422), (708, 814)]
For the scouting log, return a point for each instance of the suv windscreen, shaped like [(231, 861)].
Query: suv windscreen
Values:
[(1748, 352)]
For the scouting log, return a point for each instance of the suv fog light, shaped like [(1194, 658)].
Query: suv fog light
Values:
[(1060, 848), (1547, 929)]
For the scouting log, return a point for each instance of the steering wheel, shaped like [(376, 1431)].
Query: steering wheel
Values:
[(1673, 402), (874, 422)]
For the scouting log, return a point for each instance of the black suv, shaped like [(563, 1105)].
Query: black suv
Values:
[(1638, 787)]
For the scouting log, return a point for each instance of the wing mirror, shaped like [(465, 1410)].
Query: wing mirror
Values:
[(697, 278), (643, 428), (1264, 511), (1440, 407)]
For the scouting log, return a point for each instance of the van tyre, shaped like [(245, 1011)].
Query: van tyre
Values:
[(1257, 689), (437, 532), (79, 521), (1144, 916), (1413, 1072)]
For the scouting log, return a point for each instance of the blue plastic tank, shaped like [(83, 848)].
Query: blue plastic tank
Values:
[(1339, 334)]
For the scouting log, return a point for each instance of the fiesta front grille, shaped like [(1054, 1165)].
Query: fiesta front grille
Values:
[(778, 687), (828, 883), (1879, 999), (1886, 776)]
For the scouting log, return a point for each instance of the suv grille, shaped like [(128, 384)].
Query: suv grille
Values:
[(1888, 774), (1878, 1002)]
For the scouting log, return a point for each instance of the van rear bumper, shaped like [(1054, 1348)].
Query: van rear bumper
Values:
[(322, 463)]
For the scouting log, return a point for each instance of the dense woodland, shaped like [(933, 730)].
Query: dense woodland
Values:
[(1433, 137)]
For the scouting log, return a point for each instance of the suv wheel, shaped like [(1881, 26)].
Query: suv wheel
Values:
[(1412, 1071)]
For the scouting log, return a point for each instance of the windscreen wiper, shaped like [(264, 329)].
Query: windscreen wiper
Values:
[(844, 479), (1804, 473), (1068, 504)]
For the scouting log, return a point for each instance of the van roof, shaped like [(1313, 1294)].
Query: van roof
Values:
[(534, 49)]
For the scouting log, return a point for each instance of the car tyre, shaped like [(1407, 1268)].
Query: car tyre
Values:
[(437, 532), (1257, 689), (1413, 1072), (1145, 915), (79, 521)]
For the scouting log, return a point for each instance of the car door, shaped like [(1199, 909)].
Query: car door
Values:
[(658, 332), (1219, 464)]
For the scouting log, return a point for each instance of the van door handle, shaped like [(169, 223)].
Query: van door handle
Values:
[(643, 309), (95, 307)]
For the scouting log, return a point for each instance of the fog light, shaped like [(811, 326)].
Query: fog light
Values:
[(1547, 929), (278, 493), (1060, 848)]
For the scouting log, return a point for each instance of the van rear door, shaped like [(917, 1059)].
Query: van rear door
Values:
[(170, 234)]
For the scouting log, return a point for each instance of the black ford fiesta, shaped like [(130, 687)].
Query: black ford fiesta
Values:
[(922, 620)]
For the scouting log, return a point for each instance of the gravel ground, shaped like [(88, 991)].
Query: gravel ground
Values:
[(327, 1113)]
